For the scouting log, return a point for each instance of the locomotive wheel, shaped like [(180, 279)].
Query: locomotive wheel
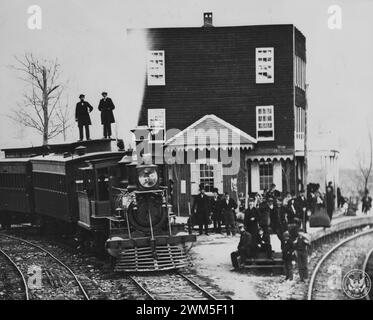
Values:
[(139, 218)]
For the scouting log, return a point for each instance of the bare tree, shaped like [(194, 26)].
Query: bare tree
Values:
[(365, 163), (65, 118), (39, 109)]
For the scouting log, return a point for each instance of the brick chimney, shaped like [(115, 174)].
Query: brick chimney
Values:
[(207, 19)]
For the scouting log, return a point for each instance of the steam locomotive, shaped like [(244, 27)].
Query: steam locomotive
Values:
[(105, 198)]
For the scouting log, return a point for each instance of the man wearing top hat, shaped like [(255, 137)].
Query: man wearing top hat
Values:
[(215, 208), (82, 110), (106, 106), (201, 210)]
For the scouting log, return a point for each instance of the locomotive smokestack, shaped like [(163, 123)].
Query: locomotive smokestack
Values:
[(207, 19)]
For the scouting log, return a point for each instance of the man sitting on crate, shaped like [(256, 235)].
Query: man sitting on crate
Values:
[(244, 249)]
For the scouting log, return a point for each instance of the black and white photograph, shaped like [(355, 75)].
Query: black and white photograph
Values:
[(162, 152)]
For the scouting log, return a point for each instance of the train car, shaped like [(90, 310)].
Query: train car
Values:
[(60, 180), (22, 186), (99, 196), (16, 193)]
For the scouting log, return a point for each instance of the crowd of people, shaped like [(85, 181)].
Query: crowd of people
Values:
[(270, 213)]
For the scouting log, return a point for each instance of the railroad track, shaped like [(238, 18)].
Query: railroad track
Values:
[(13, 284), (326, 279), (49, 278), (171, 286), (368, 268)]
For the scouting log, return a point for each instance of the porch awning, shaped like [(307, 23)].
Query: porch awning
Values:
[(270, 157), (210, 132), (270, 154)]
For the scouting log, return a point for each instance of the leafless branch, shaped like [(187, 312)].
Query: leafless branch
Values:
[(39, 109)]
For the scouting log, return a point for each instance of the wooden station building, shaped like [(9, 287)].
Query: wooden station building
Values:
[(248, 81)]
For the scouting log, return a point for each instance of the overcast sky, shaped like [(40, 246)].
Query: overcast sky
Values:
[(89, 39)]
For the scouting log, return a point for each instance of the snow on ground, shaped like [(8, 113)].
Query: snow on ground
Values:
[(211, 258)]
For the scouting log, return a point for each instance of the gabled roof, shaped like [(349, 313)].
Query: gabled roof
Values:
[(211, 132)]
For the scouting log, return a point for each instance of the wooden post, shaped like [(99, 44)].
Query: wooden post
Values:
[(305, 164)]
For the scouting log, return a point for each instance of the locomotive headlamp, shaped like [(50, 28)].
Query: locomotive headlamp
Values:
[(148, 177)]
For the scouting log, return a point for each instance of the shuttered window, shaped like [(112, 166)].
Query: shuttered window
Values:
[(300, 73)]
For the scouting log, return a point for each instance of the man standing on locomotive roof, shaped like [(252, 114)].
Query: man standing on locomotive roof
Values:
[(82, 110), (201, 210), (106, 106)]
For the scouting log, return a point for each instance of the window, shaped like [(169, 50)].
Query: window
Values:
[(206, 172), (300, 73), (156, 68), (12, 181), (265, 175), (264, 65), (264, 123)]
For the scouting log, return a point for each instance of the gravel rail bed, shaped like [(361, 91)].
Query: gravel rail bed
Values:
[(48, 278), (12, 282), (171, 286)]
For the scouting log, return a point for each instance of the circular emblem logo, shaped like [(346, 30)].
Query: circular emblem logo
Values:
[(356, 284)]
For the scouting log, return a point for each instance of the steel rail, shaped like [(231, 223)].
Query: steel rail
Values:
[(368, 257), (53, 257), (326, 256), (18, 271)]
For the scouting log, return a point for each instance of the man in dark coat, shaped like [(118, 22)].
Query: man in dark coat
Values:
[(288, 251), (216, 215), (301, 244), (278, 219), (201, 210), (82, 110), (366, 202), (301, 205), (273, 192), (263, 244), (244, 248), (106, 107), (330, 200), (228, 207), (251, 219), (293, 220), (265, 218)]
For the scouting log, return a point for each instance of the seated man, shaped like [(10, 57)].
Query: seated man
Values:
[(263, 244), (245, 248)]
